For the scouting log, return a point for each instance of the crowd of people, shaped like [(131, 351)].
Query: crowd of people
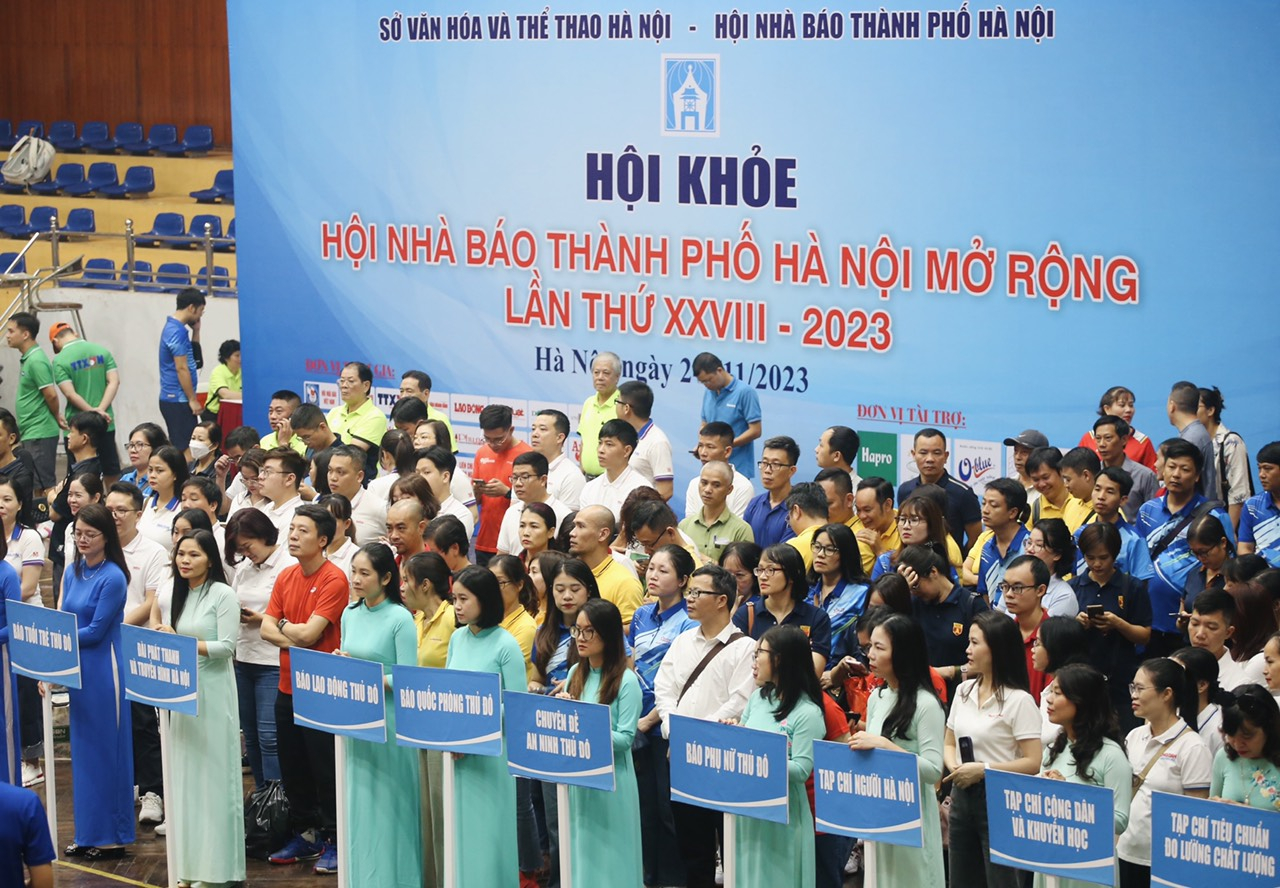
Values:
[(1106, 615)]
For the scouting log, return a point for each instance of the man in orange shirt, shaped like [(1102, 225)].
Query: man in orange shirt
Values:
[(492, 476)]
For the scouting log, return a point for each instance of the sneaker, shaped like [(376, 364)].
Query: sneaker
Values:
[(297, 849), (328, 862), (32, 775), (162, 829), (60, 698), (152, 809)]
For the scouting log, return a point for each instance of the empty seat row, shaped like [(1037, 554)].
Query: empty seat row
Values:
[(79, 221), (169, 276), (171, 229), (102, 178), (96, 136)]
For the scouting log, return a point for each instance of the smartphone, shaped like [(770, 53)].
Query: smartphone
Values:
[(638, 557), (966, 749), (854, 718), (1095, 611)]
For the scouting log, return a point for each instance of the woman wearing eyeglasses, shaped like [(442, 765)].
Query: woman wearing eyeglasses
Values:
[(837, 583), (143, 440), (605, 826), (920, 520), (783, 589), (1051, 541), (94, 589)]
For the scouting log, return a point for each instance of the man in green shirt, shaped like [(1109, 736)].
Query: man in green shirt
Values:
[(714, 526), (37, 401), (598, 409), (87, 376)]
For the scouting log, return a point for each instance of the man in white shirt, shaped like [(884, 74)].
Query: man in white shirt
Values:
[(1212, 623), (617, 443), (148, 567), (706, 674), (529, 484), (281, 473), (547, 434), (437, 465), (652, 456), (199, 492), (346, 476), (715, 442)]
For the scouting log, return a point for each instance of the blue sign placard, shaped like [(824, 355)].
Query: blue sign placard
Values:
[(160, 669), (44, 644), (451, 710), (338, 695), (559, 741), (1196, 842), (871, 794), (1052, 826), (729, 768)]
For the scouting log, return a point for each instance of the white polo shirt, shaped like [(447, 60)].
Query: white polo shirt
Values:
[(148, 564), (509, 532), (565, 481), (281, 516), (253, 584), (652, 456), (369, 515), (600, 491), (461, 488), (1185, 765), (451, 506), (1210, 728), (342, 557), (742, 494), (156, 523), (26, 549), (1231, 674), (996, 727)]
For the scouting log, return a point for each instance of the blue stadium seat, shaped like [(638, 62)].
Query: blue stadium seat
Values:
[(224, 189), (126, 133), (198, 223), (230, 233), (80, 221), (61, 133), (141, 274), (94, 131), (160, 135), (12, 215), (137, 180), (39, 220), (166, 227), (68, 174), (12, 187), (221, 279), (6, 259), (100, 174), (173, 276), (30, 128), (7, 138), (97, 273), (196, 140)]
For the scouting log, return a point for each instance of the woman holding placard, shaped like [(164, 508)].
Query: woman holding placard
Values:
[(1088, 750), (485, 798), (384, 811), (904, 715), (994, 723), (94, 589), (206, 796), (605, 826), (1166, 755), (1247, 770), (787, 700)]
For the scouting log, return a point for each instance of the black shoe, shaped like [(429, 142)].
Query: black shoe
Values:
[(104, 853), (74, 850)]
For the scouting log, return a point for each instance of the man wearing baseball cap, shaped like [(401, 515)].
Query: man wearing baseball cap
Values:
[(1023, 443), (87, 376)]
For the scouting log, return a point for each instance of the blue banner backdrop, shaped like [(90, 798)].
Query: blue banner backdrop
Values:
[(338, 695), (43, 643), (448, 709), (729, 768), (160, 669), (885, 218)]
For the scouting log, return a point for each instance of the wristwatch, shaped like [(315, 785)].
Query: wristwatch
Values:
[(281, 622)]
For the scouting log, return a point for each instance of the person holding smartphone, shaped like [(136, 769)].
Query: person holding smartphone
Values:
[(994, 723)]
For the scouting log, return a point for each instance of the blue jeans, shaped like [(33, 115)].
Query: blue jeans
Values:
[(256, 687)]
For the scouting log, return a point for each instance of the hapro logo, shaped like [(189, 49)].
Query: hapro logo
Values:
[(869, 457)]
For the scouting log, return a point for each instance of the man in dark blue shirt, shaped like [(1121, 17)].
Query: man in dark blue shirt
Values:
[(964, 512), (24, 838), (767, 513), (944, 610)]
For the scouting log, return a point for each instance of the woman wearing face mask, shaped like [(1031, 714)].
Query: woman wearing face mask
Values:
[(485, 800), (205, 448)]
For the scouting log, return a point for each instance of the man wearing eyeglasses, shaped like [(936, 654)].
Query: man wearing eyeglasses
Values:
[(281, 472), (1021, 591), (767, 513), (529, 474), (495, 460)]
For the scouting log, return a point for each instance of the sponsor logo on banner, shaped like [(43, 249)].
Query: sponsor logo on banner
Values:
[(878, 456), (520, 415), (311, 393), (691, 95), (330, 397), (468, 439), (466, 408), (386, 398), (906, 462), (440, 401), (977, 462)]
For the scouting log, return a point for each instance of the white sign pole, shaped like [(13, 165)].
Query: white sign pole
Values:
[(1050, 882), (869, 864), (50, 781), (727, 864), (340, 798), (169, 801), (450, 823), (566, 845)]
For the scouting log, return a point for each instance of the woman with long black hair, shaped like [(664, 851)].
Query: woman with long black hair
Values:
[(787, 700), (205, 817), (1089, 748), (904, 715), (1202, 672)]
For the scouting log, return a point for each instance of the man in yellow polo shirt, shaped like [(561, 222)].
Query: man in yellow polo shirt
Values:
[(598, 409), (357, 420), (1044, 467), (874, 502), (593, 530), (807, 514), (279, 413)]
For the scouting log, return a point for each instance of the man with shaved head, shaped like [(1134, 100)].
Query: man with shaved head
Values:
[(406, 524), (593, 530), (714, 526)]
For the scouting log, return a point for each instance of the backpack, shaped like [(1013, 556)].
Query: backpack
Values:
[(29, 161), (1224, 487)]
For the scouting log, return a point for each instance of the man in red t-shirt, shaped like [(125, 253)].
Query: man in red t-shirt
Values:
[(305, 611), (492, 476)]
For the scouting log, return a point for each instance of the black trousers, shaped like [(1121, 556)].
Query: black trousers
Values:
[(657, 826), (30, 718), (699, 831), (179, 421), (148, 771), (307, 768)]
